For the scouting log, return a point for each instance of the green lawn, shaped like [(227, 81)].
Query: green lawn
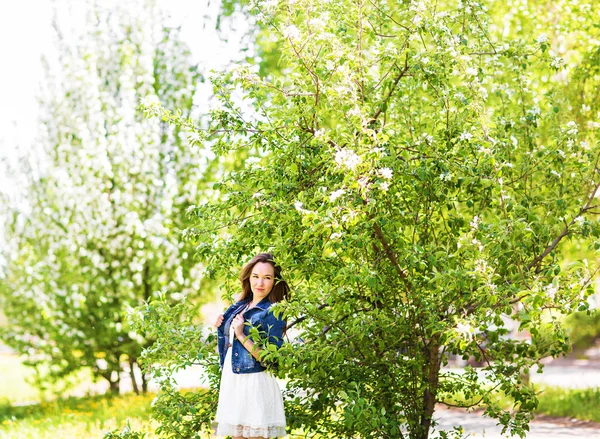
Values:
[(74, 418), (574, 403)]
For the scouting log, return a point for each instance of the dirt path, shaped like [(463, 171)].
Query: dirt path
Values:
[(543, 427)]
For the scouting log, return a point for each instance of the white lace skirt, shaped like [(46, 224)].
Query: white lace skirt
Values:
[(250, 404)]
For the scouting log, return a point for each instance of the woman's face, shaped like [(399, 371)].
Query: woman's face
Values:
[(262, 279)]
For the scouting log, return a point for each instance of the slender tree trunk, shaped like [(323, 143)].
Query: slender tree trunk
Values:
[(144, 383), (432, 373), (134, 383), (115, 386)]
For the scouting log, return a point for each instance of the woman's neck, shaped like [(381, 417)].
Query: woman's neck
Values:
[(255, 301)]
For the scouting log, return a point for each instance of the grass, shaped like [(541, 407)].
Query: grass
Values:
[(91, 417), (581, 404), (73, 418), (69, 418)]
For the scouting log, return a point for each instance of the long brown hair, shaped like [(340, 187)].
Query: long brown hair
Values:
[(279, 291)]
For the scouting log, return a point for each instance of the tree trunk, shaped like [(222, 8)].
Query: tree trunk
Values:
[(431, 377), (144, 383), (134, 383), (115, 386)]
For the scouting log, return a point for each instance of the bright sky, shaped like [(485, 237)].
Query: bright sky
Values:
[(26, 35)]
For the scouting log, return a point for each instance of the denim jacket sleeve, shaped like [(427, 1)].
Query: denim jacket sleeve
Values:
[(274, 328)]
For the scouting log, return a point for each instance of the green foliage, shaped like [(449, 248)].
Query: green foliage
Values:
[(126, 433), (179, 343), (417, 173), (583, 329)]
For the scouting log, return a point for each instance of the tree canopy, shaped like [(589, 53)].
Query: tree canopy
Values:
[(100, 229), (417, 168)]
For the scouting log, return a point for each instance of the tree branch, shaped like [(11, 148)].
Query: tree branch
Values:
[(304, 317), (392, 89), (389, 253), (565, 231)]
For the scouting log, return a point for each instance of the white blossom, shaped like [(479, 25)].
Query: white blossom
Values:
[(551, 290), (291, 32), (386, 173), (571, 129), (347, 158), (363, 182), (149, 101), (270, 5), (471, 71), (298, 205), (466, 136), (446, 176), (557, 62), (354, 111), (336, 194)]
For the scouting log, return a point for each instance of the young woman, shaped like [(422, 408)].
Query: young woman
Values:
[(250, 401)]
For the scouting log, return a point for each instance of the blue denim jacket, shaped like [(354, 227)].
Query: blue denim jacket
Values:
[(259, 317)]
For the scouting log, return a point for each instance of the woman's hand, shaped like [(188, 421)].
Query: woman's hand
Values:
[(238, 325), (219, 320)]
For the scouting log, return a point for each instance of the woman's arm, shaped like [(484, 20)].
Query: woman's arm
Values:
[(274, 329), (249, 345)]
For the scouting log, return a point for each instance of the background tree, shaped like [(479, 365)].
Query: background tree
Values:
[(418, 172), (101, 230)]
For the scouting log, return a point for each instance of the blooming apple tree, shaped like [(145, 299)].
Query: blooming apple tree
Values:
[(100, 230), (417, 179)]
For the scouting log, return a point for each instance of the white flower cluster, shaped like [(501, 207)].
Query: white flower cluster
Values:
[(336, 194), (466, 136), (471, 71), (299, 206), (253, 162), (291, 32), (551, 290), (347, 158), (428, 138), (386, 173), (557, 62), (446, 176), (571, 129)]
